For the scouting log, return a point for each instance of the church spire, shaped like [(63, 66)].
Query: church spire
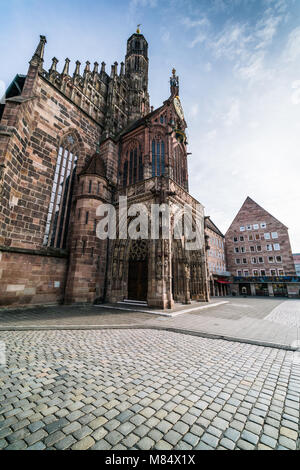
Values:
[(174, 84), (38, 56)]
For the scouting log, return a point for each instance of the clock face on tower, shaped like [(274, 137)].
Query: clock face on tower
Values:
[(178, 108)]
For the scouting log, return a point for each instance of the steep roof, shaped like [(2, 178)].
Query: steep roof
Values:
[(95, 166), (250, 203), (139, 122), (212, 226)]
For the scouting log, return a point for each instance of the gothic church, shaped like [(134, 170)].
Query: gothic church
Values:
[(70, 142)]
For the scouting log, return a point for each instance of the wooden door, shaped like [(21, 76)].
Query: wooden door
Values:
[(138, 280)]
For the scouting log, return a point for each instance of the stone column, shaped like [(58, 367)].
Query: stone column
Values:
[(253, 291)]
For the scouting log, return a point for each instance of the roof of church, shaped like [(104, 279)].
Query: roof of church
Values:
[(139, 122), (95, 166)]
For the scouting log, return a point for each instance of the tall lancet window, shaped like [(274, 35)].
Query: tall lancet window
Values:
[(61, 195), (158, 158), (133, 169)]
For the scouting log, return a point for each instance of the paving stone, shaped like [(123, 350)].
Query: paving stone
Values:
[(163, 445), (210, 440), (37, 446), (18, 445), (268, 441), (232, 434), (84, 444), (286, 442), (145, 443), (114, 437), (126, 428), (72, 427), (245, 445), (191, 439), (35, 437), (57, 436), (227, 443)]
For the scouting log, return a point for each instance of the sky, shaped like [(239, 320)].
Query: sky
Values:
[(239, 67)]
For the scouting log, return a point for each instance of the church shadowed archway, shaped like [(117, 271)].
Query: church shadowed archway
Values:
[(138, 270)]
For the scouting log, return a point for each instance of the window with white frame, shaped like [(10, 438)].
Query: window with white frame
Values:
[(262, 272), (255, 272), (263, 225), (250, 238), (249, 227), (271, 259), (269, 248), (255, 226), (257, 236), (244, 260), (239, 273), (276, 247), (260, 260), (267, 236), (238, 261), (274, 235), (273, 272), (242, 229), (252, 249), (61, 196), (242, 249), (236, 249), (246, 273), (253, 260), (280, 272), (258, 248), (278, 259), (241, 238)]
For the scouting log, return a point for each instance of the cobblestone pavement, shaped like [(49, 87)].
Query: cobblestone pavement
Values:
[(145, 389)]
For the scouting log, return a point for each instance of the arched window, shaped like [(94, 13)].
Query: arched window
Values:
[(158, 158), (178, 167), (133, 169), (61, 195)]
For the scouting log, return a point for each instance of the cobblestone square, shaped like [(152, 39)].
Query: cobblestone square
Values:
[(145, 389)]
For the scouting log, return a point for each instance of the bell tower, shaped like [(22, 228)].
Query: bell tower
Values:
[(136, 71)]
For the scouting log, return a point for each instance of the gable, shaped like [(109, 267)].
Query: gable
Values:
[(253, 213)]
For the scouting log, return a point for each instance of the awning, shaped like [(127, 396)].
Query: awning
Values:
[(222, 282)]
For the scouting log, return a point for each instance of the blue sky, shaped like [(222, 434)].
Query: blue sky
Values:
[(239, 68)]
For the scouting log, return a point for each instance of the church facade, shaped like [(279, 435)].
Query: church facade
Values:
[(71, 144)]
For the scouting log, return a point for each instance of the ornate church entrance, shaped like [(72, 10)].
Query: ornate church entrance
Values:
[(138, 271)]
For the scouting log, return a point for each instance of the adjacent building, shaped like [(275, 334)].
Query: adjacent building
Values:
[(71, 142), (258, 254), (296, 257), (216, 260)]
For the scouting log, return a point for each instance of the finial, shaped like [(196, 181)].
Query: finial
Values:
[(66, 67), (103, 64), (54, 64), (122, 68), (77, 69), (38, 56), (138, 29), (174, 83), (96, 65), (87, 67)]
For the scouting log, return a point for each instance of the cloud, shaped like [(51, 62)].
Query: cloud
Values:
[(233, 114), (134, 5), (292, 51), (208, 67), (295, 98)]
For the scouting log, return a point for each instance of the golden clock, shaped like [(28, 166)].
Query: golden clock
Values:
[(178, 108)]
